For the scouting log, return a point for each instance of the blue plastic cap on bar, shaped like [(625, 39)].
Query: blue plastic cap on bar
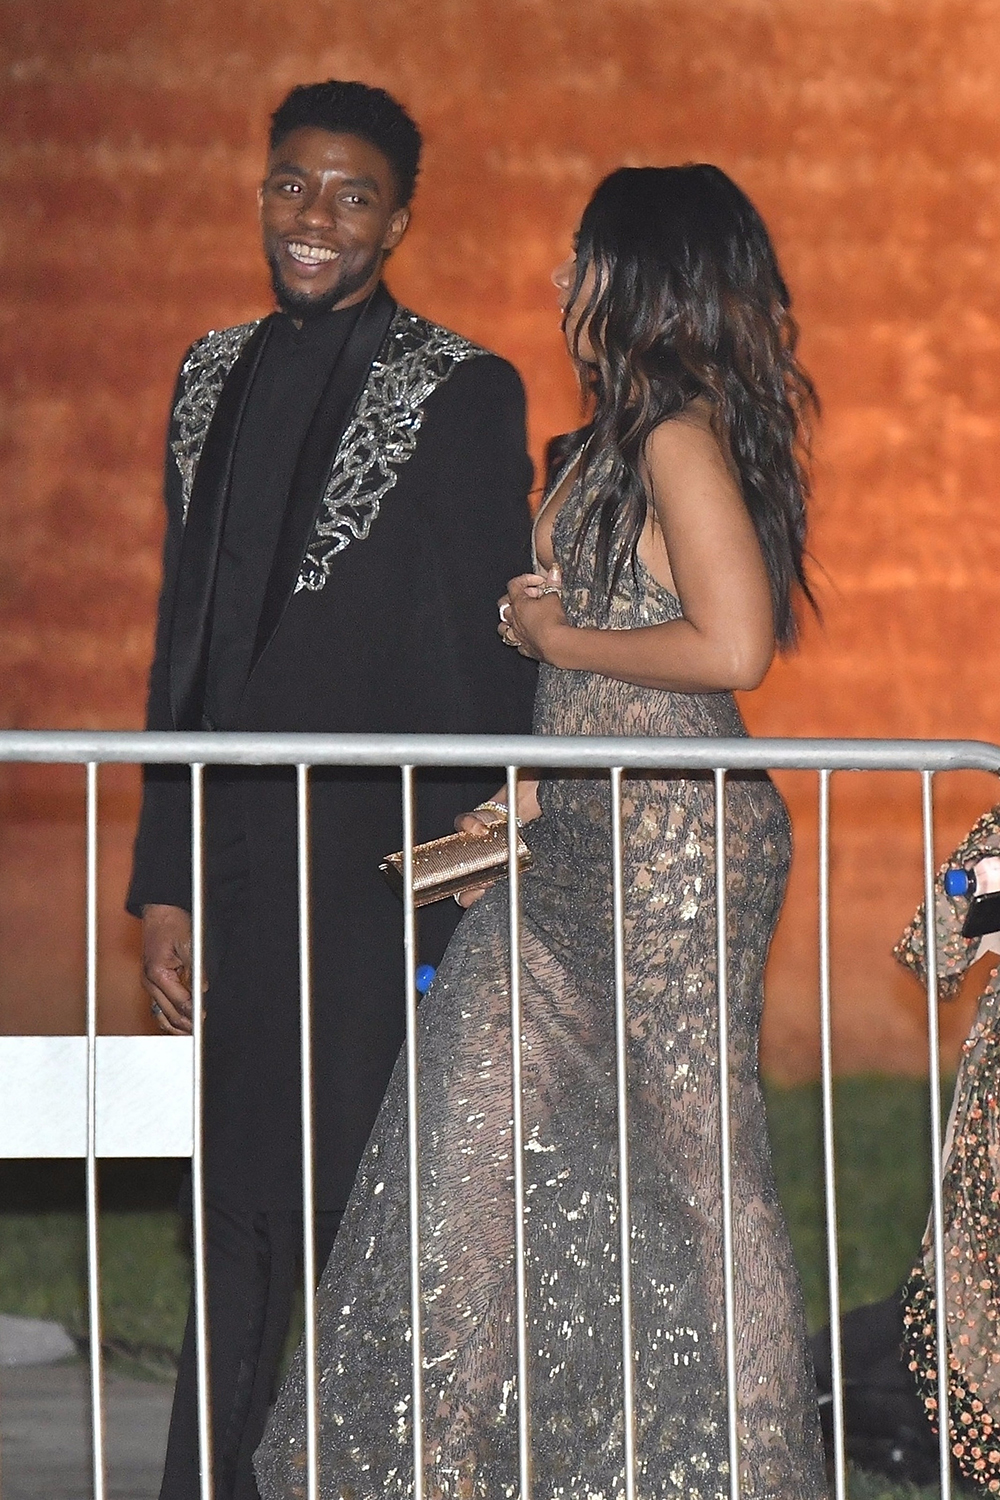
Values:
[(958, 882), (424, 978)]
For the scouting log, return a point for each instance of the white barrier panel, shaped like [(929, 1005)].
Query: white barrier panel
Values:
[(144, 1094)]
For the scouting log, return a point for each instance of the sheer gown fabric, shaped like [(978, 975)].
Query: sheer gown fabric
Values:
[(466, 1182)]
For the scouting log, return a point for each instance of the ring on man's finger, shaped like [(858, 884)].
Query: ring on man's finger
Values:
[(156, 1008), (504, 607)]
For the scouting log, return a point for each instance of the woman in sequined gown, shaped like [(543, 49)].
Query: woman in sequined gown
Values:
[(668, 551)]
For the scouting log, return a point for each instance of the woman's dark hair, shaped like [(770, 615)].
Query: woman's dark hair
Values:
[(688, 301), (355, 109)]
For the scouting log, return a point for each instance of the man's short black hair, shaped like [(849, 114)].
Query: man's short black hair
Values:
[(354, 109)]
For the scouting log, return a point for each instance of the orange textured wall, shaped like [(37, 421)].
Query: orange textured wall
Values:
[(867, 131)]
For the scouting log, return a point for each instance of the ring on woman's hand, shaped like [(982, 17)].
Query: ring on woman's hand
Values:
[(503, 611), (509, 638), (156, 1009), (550, 588)]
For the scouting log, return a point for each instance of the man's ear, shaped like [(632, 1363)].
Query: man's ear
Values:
[(397, 228)]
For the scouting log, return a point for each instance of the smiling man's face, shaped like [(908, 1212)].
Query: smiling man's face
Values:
[(329, 213)]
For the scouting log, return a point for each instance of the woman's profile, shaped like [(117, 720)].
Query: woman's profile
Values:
[(669, 550)]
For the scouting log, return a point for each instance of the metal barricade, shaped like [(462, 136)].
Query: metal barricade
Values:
[(410, 752)]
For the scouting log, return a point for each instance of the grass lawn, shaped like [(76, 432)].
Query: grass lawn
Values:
[(871, 1487), (883, 1183), (883, 1193), (145, 1267)]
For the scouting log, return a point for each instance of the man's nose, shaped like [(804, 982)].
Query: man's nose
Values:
[(315, 210)]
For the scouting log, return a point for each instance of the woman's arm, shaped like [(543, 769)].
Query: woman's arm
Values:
[(704, 546)]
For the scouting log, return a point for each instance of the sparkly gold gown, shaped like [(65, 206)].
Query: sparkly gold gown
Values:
[(467, 1217)]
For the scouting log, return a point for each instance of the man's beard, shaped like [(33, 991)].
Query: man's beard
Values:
[(303, 307)]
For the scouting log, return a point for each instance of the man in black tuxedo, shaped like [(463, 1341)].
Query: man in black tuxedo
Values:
[(346, 492)]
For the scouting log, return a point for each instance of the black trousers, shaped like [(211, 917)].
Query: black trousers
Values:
[(253, 1264)]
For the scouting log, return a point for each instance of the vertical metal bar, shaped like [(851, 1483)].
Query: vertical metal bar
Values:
[(93, 1262), (517, 1102), (934, 1071), (413, 1132), (202, 1361), (725, 1132), (829, 1146), (624, 1186), (308, 1143)]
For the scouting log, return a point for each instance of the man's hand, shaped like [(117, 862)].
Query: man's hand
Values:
[(166, 966)]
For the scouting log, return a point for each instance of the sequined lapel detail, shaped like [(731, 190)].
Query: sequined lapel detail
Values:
[(416, 358), (203, 375)]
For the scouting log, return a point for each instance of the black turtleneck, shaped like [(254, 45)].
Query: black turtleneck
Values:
[(294, 369)]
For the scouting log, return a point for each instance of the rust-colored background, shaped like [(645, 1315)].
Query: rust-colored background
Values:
[(867, 131)]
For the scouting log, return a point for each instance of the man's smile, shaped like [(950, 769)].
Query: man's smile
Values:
[(309, 256)]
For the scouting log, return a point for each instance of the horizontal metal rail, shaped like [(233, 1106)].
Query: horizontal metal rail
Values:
[(447, 750)]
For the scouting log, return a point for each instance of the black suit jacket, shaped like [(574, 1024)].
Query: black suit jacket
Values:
[(407, 516)]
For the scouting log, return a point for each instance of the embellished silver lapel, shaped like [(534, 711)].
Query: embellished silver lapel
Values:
[(203, 374), (416, 358)]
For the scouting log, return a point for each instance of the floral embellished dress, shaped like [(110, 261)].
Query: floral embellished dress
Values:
[(971, 1190), (575, 1395)]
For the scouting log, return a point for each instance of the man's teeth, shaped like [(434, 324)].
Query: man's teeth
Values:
[(313, 254)]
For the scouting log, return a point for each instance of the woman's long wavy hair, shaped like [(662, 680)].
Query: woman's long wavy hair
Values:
[(687, 300)]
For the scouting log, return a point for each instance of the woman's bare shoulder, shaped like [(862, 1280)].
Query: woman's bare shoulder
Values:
[(686, 441)]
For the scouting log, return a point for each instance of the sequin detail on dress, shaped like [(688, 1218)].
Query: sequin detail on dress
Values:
[(971, 1194), (466, 1200)]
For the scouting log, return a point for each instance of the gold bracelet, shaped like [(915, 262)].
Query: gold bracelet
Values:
[(491, 805)]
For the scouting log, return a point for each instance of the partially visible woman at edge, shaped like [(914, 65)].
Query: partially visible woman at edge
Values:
[(669, 549)]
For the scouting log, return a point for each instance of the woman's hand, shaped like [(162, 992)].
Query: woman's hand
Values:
[(487, 815), (532, 617)]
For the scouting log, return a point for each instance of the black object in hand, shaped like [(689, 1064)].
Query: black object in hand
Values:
[(983, 916)]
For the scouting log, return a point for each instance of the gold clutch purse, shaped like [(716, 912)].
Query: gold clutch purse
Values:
[(452, 864)]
